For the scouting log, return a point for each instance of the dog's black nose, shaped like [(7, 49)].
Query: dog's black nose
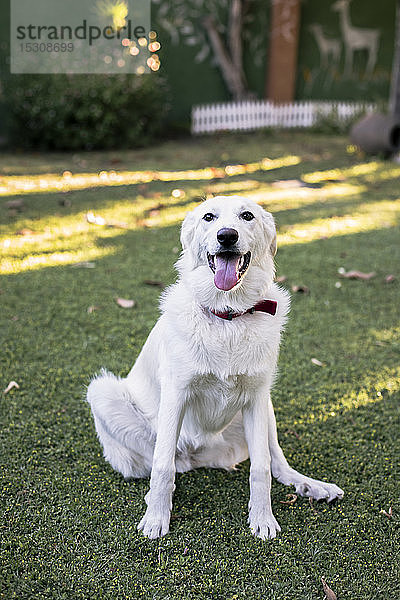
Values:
[(227, 236)]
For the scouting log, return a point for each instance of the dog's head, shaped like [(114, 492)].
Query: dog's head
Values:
[(228, 247)]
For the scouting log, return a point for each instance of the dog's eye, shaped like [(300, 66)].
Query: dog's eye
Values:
[(247, 215), (209, 217)]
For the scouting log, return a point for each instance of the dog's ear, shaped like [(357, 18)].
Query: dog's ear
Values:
[(187, 230), (270, 230)]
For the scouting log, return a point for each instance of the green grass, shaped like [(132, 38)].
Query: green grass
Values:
[(68, 528)]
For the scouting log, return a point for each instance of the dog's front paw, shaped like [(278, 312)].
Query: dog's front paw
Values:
[(155, 524), (263, 523), (319, 490)]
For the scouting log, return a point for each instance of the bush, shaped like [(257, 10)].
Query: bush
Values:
[(71, 112)]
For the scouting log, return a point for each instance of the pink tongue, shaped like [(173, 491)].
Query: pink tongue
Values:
[(226, 267)]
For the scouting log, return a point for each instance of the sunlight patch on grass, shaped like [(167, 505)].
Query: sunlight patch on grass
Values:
[(10, 265), (367, 217), (271, 198), (354, 171), (293, 198), (69, 239), (386, 336), (388, 381), (274, 198), (232, 187), (384, 175), (51, 182), (373, 391), (173, 216), (66, 241)]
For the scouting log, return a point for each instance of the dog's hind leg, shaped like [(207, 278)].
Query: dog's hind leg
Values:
[(123, 431), (305, 486)]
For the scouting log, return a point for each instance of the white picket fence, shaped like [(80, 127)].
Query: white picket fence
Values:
[(258, 114)]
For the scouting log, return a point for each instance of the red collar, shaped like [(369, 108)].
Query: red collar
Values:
[(267, 306)]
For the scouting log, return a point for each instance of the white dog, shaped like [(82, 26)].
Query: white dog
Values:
[(199, 392)]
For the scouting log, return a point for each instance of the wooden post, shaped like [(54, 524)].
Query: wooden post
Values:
[(282, 52), (394, 100)]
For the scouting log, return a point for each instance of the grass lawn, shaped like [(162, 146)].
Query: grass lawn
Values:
[(68, 529)]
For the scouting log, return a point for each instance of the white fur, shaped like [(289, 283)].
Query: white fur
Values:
[(199, 392)]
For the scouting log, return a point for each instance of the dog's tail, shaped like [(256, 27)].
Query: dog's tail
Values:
[(123, 430)]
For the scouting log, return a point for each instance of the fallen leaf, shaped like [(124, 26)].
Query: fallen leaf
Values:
[(11, 385), (119, 225), (356, 275), (293, 432), (25, 231), (387, 514), (125, 303), (155, 209), (142, 223), (143, 190), (218, 173), (174, 517), (154, 283), (95, 220), (303, 289), (329, 594), (292, 499), (91, 309), (281, 279), (84, 265), (389, 278), (317, 362), (310, 501)]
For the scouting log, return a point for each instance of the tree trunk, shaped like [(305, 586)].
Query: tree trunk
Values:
[(394, 101), (235, 34), (282, 59), (230, 63)]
